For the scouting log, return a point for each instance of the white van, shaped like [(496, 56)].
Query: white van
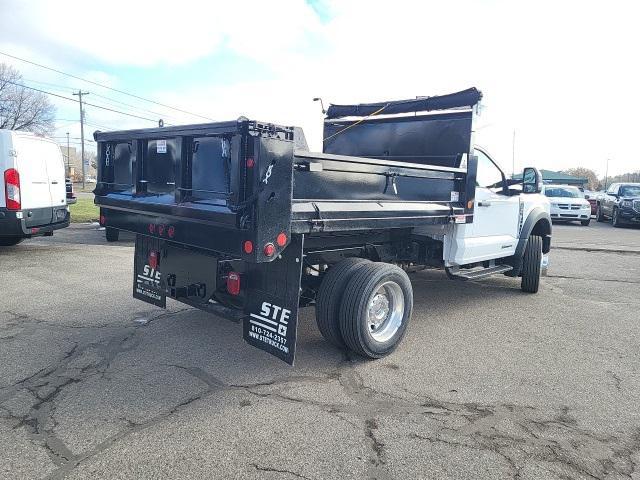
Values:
[(32, 187)]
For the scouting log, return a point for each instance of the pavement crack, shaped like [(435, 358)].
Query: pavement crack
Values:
[(262, 468), (612, 280), (616, 379)]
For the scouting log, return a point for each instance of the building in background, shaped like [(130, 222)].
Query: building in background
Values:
[(73, 163)]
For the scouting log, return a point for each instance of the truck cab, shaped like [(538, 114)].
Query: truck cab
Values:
[(501, 208), (32, 187)]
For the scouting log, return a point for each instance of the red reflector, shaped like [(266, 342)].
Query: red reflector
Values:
[(250, 162), (171, 231), (281, 239), (248, 246), (233, 283), (153, 259), (152, 228), (35, 230), (269, 249), (102, 220)]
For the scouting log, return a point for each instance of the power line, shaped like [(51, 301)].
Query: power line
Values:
[(76, 101), (104, 86), (108, 99)]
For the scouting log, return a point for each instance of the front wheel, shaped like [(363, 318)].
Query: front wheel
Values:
[(532, 265), (585, 223), (9, 241), (615, 218), (376, 309), (599, 214)]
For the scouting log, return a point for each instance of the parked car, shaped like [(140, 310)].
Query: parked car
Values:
[(568, 204), (71, 197), (32, 187), (592, 199), (620, 203)]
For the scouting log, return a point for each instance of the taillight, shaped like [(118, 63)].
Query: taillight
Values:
[(153, 259), (269, 249), (233, 283), (12, 189), (281, 239), (103, 220), (247, 246)]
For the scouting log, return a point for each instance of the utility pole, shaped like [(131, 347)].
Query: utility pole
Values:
[(68, 157), (513, 154), (79, 94), (606, 175)]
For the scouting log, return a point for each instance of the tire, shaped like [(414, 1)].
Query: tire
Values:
[(383, 281), (615, 219), (532, 265), (585, 223), (599, 215), (330, 296), (111, 234), (9, 241)]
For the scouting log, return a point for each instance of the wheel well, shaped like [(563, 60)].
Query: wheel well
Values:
[(542, 228)]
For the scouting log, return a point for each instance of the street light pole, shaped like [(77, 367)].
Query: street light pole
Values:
[(513, 154), (606, 175)]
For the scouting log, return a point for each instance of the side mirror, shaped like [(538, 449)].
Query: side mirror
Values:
[(531, 180)]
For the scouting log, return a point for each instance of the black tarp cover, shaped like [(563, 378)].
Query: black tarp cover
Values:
[(465, 98)]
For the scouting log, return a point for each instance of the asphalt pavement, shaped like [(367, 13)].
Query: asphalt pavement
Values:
[(489, 382)]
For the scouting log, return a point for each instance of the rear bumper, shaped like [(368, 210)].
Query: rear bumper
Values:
[(12, 226)]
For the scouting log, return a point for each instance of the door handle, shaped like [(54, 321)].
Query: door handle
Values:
[(54, 183), (484, 204)]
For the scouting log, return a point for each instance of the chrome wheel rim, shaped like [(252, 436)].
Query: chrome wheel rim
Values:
[(385, 311)]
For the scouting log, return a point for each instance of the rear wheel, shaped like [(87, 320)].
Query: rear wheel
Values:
[(9, 241), (330, 296), (599, 215), (112, 234), (376, 309), (532, 265), (615, 218), (585, 223)]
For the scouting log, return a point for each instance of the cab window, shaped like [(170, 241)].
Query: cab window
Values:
[(488, 175)]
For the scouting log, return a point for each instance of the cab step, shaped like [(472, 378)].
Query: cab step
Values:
[(478, 273)]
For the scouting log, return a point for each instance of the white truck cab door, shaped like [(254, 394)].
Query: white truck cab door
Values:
[(494, 231)]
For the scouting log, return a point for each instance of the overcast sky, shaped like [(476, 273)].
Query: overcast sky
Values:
[(564, 75)]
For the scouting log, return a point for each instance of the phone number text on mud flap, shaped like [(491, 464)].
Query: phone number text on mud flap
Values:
[(268, 334)]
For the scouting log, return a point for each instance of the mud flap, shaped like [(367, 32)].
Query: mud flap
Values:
[(271, 309), (147, 281)]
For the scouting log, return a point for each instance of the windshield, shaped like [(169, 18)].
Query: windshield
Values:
[(630, 191), (565, 192)]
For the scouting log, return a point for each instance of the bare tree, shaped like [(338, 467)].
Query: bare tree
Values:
[(21, 108), (592, 179)]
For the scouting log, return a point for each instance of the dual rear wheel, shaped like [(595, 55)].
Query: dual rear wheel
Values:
[(364, 306)]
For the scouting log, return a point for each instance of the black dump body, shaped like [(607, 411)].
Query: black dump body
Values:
[(248, 200), (245, 180)]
